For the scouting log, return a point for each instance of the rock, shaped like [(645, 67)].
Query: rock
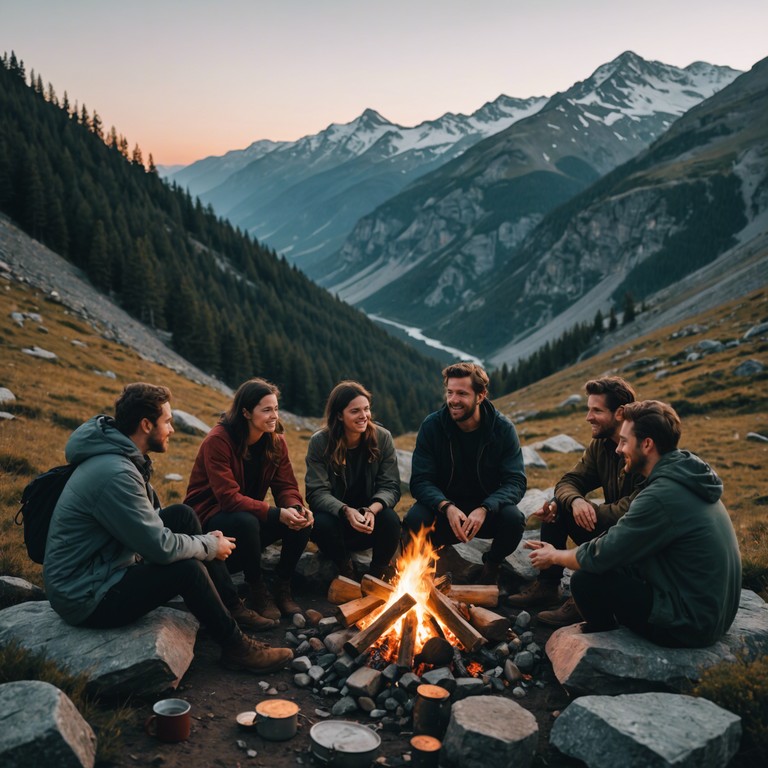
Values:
[(623, 662), (756, 437), (365, 682), (710, 346), (489, 732), (441, 676), (14, 590), (313, 567), (648, 729), (186, 422), (346, 705), (302, 680), (558, 444), (641, 362), (316, 673), (756, 330), (145, 657), (512, 673), (313, 617), (748, 368), (409, 682), (531, 458), (524, 661), (404, 459), (105, 374), (174, 477), (569, 401), (6, 396), (78, 343), (662, 374), (41, 726), (43, 354), (7, 416), (335, 641), (361, 559), (301, 664), (18, 318), (534, 500), (467, 686), (519, 561)]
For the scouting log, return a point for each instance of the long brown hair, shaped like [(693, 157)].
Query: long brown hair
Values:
[(249, 394), (341, 396)]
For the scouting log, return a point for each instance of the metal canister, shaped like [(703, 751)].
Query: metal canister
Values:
[(431, 711)]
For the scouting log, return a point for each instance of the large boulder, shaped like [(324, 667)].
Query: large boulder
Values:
[(186, 422), (653, 730), (558, 444), (622, 662), (14, 590), (145, 657), (41, 726)]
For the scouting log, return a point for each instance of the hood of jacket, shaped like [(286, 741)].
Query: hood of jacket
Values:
[(99, 436), (488, 412), (688, 470)]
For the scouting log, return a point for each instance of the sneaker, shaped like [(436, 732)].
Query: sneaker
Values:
[(262, 601), (537, 593), (248, 619), (563, 616), (250, 655), (285, 602)]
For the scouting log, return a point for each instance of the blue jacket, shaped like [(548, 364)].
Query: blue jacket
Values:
[(106, 515), (499, 462)]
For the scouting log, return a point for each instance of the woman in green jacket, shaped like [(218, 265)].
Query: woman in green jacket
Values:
[(353, 483)]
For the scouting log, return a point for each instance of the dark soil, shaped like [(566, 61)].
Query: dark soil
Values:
[(218, 695)]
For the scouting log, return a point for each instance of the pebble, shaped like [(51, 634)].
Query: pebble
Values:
[(299, 621), (518, 692), (313, 617)]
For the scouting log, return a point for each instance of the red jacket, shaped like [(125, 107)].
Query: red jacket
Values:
[(218, 476)]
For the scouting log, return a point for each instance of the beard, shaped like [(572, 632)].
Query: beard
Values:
[(155, 445)]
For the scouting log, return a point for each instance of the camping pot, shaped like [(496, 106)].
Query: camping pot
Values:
[(277, 719), (342, 744)]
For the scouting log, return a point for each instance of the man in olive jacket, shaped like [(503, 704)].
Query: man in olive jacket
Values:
[(670, 569), (467, 474)]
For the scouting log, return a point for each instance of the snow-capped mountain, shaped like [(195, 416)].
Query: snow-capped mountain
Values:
[(302, 198), (432, 249)]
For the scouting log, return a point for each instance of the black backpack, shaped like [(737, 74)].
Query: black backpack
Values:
[(37, 504)]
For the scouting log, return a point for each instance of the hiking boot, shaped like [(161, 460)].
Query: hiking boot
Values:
[(250, 655), (537, 593), (346, 569), (563, 616), (262, 601), (287, 605), (489, 574), (248, 619)]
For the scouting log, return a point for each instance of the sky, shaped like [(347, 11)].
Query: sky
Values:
[(185, 79)]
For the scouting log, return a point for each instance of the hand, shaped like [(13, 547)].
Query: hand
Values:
[(543, 554), (474, 522), (359, 520), (547, 513), (308, 516), (294, 519), (584, 514), (225, 545), (457, 520)]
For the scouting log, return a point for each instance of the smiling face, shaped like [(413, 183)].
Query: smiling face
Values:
[(355, 418), (601, 418), (162, 429), (463, 402), (262, 418), (635, 459)]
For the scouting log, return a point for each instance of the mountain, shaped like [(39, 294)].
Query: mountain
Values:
[(432, 249), (682, 226), (304, 197)]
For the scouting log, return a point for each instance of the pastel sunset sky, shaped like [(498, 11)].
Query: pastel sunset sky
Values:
[(190, 78)]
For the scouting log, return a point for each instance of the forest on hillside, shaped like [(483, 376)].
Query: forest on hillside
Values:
[(228, 304)]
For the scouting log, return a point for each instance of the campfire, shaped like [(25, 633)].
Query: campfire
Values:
[(398, 622)]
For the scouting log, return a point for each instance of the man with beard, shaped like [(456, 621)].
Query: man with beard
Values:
[(670, 569), (569, 513), (467, 474), (113, 554)]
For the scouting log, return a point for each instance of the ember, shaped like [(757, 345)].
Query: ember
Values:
[(474, 668)]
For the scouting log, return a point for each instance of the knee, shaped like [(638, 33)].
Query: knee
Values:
[(512, 517), (181, 518), (326, 526), (388, 521), (418, 516)]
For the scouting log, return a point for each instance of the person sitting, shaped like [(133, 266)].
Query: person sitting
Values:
[(670, 568), (240, 459), (569, 514), (113, 555), (467, 474), (353, 483)]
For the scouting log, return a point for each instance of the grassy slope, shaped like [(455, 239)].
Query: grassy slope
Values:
[(55, 396)]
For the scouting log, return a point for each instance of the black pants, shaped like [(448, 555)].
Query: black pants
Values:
[(505, 527), (608, 599), (252, 536), (335, 537), (205, 587)]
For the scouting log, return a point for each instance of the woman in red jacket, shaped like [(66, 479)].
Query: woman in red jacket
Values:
[(240, 459)]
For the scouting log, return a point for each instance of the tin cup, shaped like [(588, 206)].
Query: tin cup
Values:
[(277, 719), (170, 719)]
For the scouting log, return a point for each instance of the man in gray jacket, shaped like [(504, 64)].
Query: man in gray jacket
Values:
[(113, 555), (670, 568)]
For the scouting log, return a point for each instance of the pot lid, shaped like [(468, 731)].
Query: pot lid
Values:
[(344, 736), (277, 708)]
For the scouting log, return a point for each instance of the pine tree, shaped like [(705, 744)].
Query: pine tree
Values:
[(612, 321), (629, 308), (98, 258)]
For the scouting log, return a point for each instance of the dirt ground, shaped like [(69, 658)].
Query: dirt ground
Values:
[(218, 695)]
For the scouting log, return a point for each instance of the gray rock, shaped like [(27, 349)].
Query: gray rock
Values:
[(43, 354), (748, 368), (6, 396), (344, 664), (366, 703), (186, 422), (512, 673), (710, 346), (662, 374), (623, 662), (489, 732), (313, 567), (441, 676), (145, 657), (377, 714), (692, 357), (298, 621), (756, 437), (78, 343), (641, 362), (301, 664), (531, 458), (467, 686), (570, 401), (174, 477), (335, 641), (524, 661), (404, 460), (18, 318), (365, 682), (41, 726), (6, 416), (559, 444), (519, 561), (346, 705), (316, 673), (326, 624), (756, 330), (647, 729), (518, 692), (302, 680), (409, 682), (14, 590)]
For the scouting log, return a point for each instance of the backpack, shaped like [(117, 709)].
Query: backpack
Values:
[(38, 501)]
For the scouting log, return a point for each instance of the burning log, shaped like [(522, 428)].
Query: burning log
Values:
[(407, 641), (370, 585), (484, 595), (442, 607), (342, 590), (363, 639), (490, 625), (459, 668), (351, 612)]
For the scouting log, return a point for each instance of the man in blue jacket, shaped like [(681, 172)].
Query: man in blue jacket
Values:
[(112, 555), (467, 474), (670, 568)]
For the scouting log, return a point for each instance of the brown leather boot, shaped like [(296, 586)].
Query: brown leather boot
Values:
[(537, 593), (489, 574), (262, 601), (285, 602), (248, 619), (249, 655), (563, 616)]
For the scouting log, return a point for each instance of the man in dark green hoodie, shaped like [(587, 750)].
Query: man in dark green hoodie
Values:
[(670, 569)]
